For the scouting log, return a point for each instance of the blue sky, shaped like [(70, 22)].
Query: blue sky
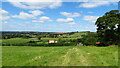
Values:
[(53, 17)]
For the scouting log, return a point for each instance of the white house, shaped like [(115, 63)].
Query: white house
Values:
[(80, 44), (52, 41)]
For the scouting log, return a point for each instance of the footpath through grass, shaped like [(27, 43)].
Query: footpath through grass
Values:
[(60, 56)]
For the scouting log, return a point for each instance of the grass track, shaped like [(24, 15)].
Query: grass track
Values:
[(60, 56)]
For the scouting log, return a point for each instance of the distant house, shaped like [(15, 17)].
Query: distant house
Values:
[(80, 44), (52, 41)]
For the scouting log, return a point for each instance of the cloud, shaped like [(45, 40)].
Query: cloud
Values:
[(24, 15), (60, 0), (3, 12), (70, 14), (94, 4), (5, 22), (27, 22), (90, 18), (65, 20), (31, 15), (72, 23), (36, 4), (37, 21), (43, 19), (4, 15), (4, 18), (36, 12)]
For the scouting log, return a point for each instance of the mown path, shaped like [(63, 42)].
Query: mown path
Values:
[(76, 57)]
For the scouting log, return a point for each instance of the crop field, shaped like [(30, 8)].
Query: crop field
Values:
[(60, 56)]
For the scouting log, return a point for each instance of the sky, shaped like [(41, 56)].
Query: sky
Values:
[(55, 16)]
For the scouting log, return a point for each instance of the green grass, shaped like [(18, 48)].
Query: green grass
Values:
[(75, 35), (49, 38), (0, 56), (21, 40), (57, 38), (41, 43), (15, 40), (60, 56)]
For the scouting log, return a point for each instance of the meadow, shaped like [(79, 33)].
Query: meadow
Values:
[(15, 40), (60, 56)]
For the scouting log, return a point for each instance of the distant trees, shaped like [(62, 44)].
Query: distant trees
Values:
[(39, 37), (15, 35), (89, 39), (109, 27)]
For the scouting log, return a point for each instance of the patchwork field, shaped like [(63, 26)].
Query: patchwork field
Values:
[(60, 56)]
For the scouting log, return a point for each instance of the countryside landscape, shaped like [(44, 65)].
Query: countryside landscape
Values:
[(53, 34)]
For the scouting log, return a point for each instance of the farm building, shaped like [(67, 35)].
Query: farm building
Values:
[(79, 44), (52, 41)]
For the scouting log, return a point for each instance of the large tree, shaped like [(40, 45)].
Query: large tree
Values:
[(109, 27)]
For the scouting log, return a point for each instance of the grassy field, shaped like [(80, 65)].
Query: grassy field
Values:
[(57, 38), (21, 40), (0, 56), (75, 35), (15, 40), (60, 56)]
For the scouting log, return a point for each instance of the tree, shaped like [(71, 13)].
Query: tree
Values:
[(39, 37), (89, 39), (109, 27)]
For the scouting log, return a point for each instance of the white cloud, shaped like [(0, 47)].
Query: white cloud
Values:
[(42, 19), (24, 15), (3, 12), (4, 18), (27, 22), (4, 15), (31, 15), (62, 0), (72, 23), (65, 20), (61, 20), (36, 4), (90, 18), (94, 4), (70, 14), (37, 21), (36, 12), (5, 22)]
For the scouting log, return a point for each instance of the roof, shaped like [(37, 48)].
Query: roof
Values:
[(52, 40)]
